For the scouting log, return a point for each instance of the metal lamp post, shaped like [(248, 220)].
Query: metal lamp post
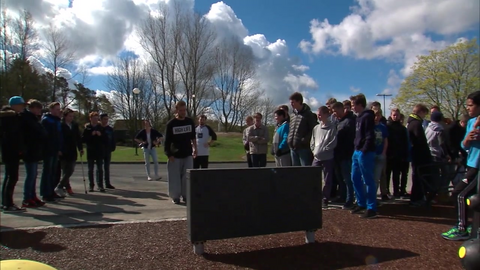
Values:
[(384, 95), (136, 92)]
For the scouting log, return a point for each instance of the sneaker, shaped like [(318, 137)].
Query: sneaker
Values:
[(176, 201), (13, 208), (149, 179), (110, 186), (469, 230), (38, 202), (357, 209), (455, 234), (29, 204), (347, 206), (60, 192), (369, 214), (70, 191)]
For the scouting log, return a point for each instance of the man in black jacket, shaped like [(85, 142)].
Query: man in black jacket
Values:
[(420, 153), (72, 141), (96, 139), (302, 122), (11, 136), (109, 148), (343, 152), (33, 151), (397, 153), (52, 152)]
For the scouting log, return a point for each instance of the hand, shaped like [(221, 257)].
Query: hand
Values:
[(171, 159), (473, 135), (194, 153)]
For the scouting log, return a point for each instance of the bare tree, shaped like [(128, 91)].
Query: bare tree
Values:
[(24, 35), (235, 69), (5, 40), (84, 75), (197, 65), (160, 37), (59, 53), (155, 108)]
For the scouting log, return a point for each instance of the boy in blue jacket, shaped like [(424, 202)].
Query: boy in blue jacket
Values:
[(280, 148), (467, 187)]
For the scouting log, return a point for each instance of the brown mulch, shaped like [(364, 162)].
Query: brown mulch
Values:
[(403, 238)]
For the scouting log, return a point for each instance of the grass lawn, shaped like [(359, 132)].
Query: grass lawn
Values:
[(228, 147)]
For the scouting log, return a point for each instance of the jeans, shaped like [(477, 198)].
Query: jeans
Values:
[(259, 160), (49, 172), (378, 172), (363, 165), (29, 187), (147, 153), (68, 167), (9, 182), (99, 175), (327, 168), (301, 157), (106, 167), (343, 171)]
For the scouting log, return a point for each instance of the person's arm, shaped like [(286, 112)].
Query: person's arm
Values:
[(312, 121), (212, 133), (284, 136), (193, 139), (139, 138), (168, 140), (470, 135), (250, 135), (332, 143), (264, 139), (78, 139), (369, 129), (312, 140)]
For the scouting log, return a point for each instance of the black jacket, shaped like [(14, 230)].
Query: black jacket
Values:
[(398, 149), (111, 145), (365, 132), (142, 135), (420, 149), (301, 127), (455, 134), (11, 135), (345, 137), (53, 126), (72, 141), (95, 144), (37, 136)]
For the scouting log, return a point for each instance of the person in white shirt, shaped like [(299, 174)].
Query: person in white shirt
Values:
[(204, 136)]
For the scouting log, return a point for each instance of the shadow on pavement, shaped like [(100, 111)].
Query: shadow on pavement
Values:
[(21, 239), (323, 255), (110, 199), (140, 194), (437, 214)]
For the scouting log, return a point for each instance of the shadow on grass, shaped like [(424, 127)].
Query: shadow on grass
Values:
[(437, 214), (323, 255), (21, 239)]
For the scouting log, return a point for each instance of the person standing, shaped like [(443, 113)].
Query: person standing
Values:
[(33, 151), (149, 138), (205, 137), (246, 144), (180, 146), (96, 139), (72, 143), (397, 153), (302, 122), (280, 149), (322, 144), (258, 140), (363, 159), (109, 148), (52, 151), (381, 146), (12, 142), (343, 152)]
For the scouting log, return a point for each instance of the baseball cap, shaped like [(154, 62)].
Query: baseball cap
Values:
[(16, 100)]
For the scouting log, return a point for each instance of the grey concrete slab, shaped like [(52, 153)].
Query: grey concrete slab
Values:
[(134, 199)]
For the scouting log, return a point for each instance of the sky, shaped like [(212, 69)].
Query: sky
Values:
[(327, 48)]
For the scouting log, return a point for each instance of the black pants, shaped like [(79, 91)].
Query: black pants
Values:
[(92, 163), (68, 168), (200, 162), (398, 171), (9, 181), (249, 160), (462, 190), (259, 160), (420, 173), (106, 167)]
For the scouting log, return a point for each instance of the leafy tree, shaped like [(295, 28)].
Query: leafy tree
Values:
[(443, 78)]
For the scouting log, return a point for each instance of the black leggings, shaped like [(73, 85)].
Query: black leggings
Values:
[(463, 189)]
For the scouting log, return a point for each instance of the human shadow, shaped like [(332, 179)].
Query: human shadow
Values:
[(323, 255), (140, 194), (20, 239), (437, 214), (106, 199)]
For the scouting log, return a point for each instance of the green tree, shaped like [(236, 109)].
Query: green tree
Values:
[(443, 78)]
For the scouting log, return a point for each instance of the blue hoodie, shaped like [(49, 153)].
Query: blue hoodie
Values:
[(365, 132), (473, 158), (54, 142)]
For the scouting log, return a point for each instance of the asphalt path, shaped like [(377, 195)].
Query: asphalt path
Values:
[(134, 200)]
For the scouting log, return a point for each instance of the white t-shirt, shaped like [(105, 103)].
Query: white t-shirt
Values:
[(203, 136)]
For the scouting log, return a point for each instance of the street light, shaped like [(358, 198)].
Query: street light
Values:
[(136, 92), (384, 95)]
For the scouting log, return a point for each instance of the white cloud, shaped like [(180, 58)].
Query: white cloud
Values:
[(393, 30), (101, 70), (354, 89)]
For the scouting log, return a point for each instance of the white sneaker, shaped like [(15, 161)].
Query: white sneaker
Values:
[(149, 179), (60, 192)]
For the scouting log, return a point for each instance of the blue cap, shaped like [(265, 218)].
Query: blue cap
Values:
[(16, 100)]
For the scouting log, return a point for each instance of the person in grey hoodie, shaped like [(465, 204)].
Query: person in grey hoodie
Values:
[(437, 142), (322, 144)]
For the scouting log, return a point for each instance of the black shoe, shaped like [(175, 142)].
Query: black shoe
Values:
[(347, 206), (324, 203), (101, 189), (110, 186), (369, 214), (385, 198), (357, 209)]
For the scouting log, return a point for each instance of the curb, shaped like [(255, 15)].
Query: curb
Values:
[(160, 162)]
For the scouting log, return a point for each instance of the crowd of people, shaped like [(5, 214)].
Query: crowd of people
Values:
[(359, 150), (362, 152)]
